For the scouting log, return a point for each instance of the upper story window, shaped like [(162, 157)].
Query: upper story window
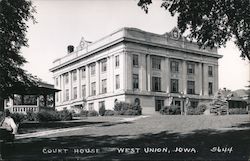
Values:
[(190, 87), (104, 65), (92, 69), (156, 63), (66, 78), (104, 86), (190, 68), (117, 61), (135, 60), (174, 66), (117, 81), (210, 71), (83, 69), (75, 93), (174, 85), (135, 81), (66, 95), (83, 91), (210, 88), (93, 89), (74, 75), (156, 83)]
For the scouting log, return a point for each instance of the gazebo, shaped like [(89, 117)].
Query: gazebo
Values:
[(32, 99)]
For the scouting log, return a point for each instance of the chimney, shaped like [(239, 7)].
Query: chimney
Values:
[(70, 49)]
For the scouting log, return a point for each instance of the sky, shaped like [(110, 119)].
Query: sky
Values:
[(65, 22)]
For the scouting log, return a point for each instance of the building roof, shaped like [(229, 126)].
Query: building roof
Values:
[(171, 40)]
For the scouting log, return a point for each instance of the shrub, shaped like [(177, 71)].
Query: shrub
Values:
[(131, 112), (170, 110), (110, 113), (18, 117), (31, 116), (238, 111), (65, 115), (93, 113), (102, 110), (199, 110), (45, 116), (123, 108)]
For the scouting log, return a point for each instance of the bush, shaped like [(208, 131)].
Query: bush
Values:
[(110, 113), (45, 116), (102, 110), (123, 108), (18, 117), (199, 110), (170, 110), (238, 111), (65, 115), (31, 116), (93, 113)]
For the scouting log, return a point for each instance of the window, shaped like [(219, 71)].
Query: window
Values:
[(91, 106), (135, 81), (156, 83), (101, 104), (117, 81), (83, 72), (210, 88), (190, 87), (66, 95), (210, 71), (75, 93), (104, 65), (117, 61), (83, 91), (56, 81), (174, 66), (156, 63), (66, 78), (93, 89), (74, 75), (92, 69), (190, 68), (104, 86), (174, 85), (135, 60)]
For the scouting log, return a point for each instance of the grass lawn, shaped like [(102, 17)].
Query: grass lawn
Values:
[(201, 135)]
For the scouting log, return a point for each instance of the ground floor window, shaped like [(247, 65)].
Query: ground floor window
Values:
[(91, 106), (159, 104)]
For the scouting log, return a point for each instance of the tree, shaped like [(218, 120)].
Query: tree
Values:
[(14, 14), (211, 22)]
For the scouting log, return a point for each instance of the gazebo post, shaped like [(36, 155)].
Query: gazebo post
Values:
[(54, 101), (45, 100)]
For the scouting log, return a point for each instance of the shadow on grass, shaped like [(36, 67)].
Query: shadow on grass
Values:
[(201, 140), (38, 126)]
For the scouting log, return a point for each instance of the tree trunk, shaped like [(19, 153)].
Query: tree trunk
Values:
[(1, 104)]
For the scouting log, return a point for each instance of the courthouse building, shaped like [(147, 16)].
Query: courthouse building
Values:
[(132, 65)]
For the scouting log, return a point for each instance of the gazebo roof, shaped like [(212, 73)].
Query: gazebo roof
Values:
[(41, 89)]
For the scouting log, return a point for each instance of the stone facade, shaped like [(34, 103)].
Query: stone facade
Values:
[(131, 63)]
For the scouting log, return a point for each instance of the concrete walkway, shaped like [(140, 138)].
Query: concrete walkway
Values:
[(49, 132)]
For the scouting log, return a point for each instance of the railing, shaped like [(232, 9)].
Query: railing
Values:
[(25, 108)]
